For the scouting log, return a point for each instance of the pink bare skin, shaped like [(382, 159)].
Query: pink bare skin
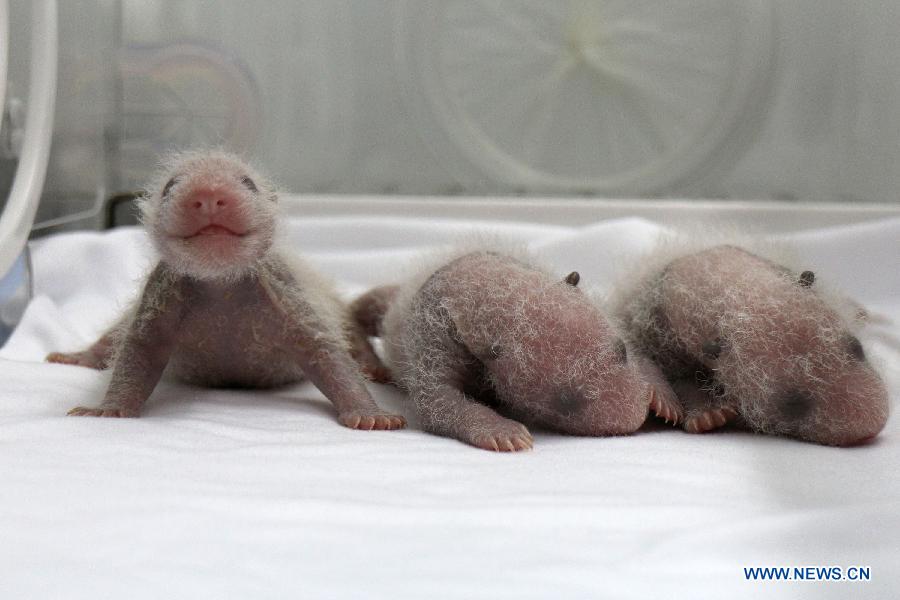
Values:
[(222, 307), (746, 341), (489, 342)]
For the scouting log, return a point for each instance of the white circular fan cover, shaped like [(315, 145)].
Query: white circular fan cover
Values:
[(604, 95)]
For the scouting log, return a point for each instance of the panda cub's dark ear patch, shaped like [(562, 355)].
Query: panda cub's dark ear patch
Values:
[(796, 405), (807, 278), (168, 187), (248, 183)]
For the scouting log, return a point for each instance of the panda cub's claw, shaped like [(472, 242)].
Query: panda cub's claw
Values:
[(709, 420), (665, 406)]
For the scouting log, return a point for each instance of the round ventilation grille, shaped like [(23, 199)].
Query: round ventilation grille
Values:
[(605, 96)]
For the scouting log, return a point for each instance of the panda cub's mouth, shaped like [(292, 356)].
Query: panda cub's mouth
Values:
[(215, 230)]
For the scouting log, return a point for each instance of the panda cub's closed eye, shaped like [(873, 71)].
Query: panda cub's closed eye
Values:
[(168, 187), (854, 348), (248, 183)]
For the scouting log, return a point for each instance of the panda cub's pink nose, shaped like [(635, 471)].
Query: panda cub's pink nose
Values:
[(209, 202)]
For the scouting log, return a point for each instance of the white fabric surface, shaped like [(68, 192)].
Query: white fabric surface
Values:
[(236, 494)]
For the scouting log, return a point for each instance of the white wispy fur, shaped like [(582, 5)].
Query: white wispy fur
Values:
[(551, 320), (762, 313), (312, 297), (211, 169)]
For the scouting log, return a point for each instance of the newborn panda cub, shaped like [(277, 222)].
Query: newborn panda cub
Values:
[(743, 339), (487, 340), (223, 307)]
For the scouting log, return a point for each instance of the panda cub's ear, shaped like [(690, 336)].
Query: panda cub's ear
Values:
[(572, 279)]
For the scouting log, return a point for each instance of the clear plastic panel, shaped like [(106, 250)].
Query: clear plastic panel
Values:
[(615, 96), (138, 78), (77, 174), (273, 80), (793, 100)]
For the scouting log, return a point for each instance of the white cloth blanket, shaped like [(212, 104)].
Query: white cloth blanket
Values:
[(239, 494)]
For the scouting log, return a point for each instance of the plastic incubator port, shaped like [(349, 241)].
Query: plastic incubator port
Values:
[(15, 292)]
